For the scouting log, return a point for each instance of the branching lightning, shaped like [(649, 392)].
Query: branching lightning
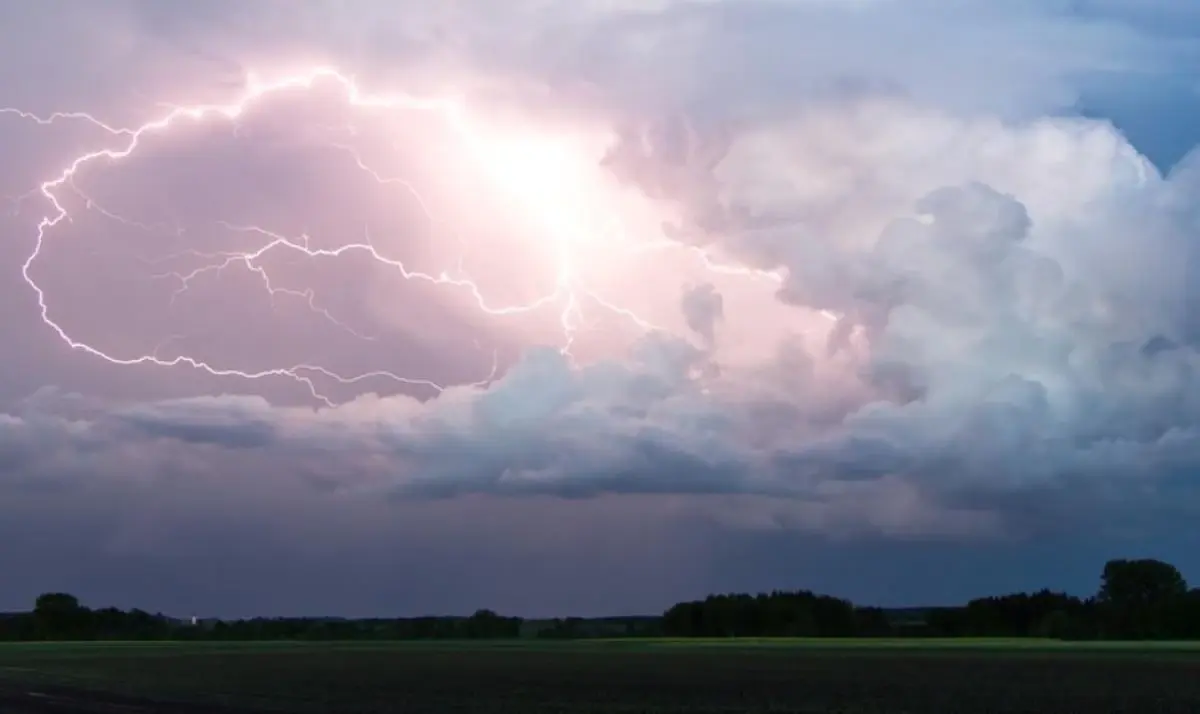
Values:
[(569, 294)]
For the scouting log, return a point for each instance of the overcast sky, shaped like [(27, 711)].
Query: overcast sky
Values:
[(589, 306)]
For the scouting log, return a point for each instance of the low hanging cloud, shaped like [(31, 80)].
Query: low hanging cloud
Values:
[(948, 306)]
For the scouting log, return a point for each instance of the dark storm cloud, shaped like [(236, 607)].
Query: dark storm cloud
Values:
[(187, 420), (1015, 355)]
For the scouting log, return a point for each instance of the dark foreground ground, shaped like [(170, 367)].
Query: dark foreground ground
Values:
[(592, 679)]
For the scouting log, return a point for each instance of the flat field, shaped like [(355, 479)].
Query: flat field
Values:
[(593, 677)]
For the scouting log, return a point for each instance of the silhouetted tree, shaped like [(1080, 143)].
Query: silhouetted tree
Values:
[(485, 624), (60, 616), (1138, 598), (780, 614)]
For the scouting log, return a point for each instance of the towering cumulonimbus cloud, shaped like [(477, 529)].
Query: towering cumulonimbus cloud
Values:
[(927, 293)]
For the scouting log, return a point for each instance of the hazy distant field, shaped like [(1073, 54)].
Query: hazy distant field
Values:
[(801, 675)]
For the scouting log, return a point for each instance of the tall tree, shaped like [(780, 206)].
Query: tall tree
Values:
[(59, 615), (1144, 581), (1136, 596)]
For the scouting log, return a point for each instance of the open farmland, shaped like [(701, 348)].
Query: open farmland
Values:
[(955, 677)]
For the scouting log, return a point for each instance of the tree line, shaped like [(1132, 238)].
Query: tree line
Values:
[(1137, 599), (60, 616)]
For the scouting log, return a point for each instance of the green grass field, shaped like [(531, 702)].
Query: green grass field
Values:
[(651, 675)]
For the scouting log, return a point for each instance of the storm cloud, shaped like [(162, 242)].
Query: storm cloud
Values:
[(832, 273)]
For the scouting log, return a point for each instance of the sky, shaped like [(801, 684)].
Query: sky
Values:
[(588, 307)]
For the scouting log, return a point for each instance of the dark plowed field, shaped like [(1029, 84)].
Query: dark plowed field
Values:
[(518, 680)]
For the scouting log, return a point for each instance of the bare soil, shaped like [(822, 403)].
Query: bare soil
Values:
[(677, 681)]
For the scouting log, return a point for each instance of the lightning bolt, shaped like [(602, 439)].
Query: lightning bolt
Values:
[(569, 293)]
